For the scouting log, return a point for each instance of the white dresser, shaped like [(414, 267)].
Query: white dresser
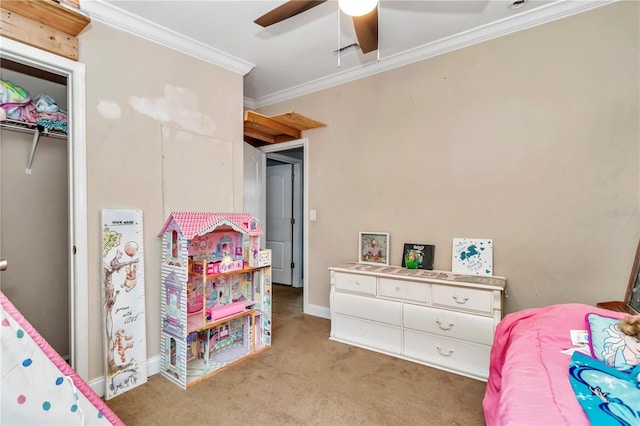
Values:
[(436, 318)]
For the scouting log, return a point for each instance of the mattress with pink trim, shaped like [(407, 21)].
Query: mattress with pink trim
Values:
[(528, 380), (37, 386)]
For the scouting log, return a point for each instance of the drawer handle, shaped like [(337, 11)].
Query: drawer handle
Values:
[(442, 353), (459, 300), (447, 327)]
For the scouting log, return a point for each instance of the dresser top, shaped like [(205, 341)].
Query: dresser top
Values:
[(421, 274)]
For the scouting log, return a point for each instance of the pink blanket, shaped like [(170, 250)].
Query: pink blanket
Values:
[(529, 376)]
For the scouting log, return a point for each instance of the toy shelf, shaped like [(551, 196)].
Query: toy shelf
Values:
[(194, 321), (222, 274)]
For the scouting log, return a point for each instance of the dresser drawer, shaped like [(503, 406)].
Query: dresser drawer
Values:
[(356, 283), (459, 356), (368, 308), (407, 290), (458, 325), (463, 298), (373, 335)]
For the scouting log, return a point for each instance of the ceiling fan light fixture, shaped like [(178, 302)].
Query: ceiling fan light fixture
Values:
[(357, 7)]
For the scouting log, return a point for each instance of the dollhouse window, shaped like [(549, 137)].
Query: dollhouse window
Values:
[(225, 247), (172, 303), (174, 243), (173, 352)]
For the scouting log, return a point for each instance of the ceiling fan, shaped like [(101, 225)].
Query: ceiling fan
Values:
[(365, 20)]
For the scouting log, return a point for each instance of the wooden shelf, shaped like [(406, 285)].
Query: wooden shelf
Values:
[(44, 24), (222, 274), (69, 21), (262, 130), (194, 326), (617, 306)]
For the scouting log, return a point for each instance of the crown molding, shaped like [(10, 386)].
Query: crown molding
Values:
[(125, 21), (535, 17)]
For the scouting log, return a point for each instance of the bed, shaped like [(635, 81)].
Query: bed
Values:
[(529, 375), (37, 386)]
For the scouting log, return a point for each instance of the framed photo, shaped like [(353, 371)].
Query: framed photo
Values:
[(473, 256), (418, 256), (373, 248)]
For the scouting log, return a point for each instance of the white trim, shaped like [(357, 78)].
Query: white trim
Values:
[(78, 264), (118, 18), (542, 15), (318, 311), (283, 158), (249, 103), (283, 146), (125, 21)]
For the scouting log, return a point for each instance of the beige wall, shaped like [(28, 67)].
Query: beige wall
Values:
[(531, 139), (124, 153)]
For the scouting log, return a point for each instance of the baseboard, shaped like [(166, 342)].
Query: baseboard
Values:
[(317, 311), (98, 385)]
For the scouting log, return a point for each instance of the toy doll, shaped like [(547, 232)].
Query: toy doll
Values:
[(630, 325)]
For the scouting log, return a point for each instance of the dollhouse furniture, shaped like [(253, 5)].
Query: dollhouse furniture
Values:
[(216, 294), (436, 318)]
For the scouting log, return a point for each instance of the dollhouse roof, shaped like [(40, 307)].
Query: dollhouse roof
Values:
[(192, 224)]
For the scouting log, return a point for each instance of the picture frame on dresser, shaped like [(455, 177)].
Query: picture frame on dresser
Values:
[(424, 254), (373, 248)]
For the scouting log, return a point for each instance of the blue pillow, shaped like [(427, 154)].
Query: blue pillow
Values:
[(610, 345), (635, 375)]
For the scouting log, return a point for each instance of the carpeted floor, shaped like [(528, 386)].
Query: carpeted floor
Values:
[(305, 378)]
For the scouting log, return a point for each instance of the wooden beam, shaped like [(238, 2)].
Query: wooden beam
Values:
[(297, 121), (27, 31), (259, 135), (49, 13), (261, 120)]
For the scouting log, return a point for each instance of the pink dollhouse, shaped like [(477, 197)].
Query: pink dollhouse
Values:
[(216, 287)]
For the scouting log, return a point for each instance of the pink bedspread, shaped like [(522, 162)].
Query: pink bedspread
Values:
[(528, 380)]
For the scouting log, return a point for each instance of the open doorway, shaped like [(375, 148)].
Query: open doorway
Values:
[(284, 215), (259, 200)]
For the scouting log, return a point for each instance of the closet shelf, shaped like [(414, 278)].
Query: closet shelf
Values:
[(34, 129)]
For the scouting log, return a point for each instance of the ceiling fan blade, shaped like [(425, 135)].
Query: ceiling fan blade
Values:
[(286, 11), (366, 27)]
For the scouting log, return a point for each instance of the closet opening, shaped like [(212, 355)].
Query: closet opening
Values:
[(34, 194), (43, 229)]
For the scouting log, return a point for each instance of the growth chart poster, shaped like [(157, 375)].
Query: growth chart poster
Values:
[(123, 300)]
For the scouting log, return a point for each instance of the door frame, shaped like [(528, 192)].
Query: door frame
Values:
[(304, 143), (77, 189)]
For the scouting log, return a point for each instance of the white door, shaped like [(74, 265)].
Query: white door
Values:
[(279, 221), (254, 198)]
